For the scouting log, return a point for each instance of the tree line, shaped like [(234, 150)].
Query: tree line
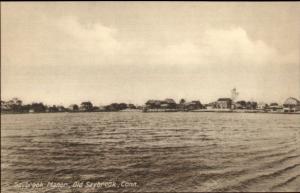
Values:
[(16, 105)]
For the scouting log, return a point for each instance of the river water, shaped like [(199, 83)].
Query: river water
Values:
[(147, 152)]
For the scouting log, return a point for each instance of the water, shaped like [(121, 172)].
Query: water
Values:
[(152, 151)]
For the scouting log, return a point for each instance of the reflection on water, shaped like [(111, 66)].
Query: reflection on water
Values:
[(157, 151)]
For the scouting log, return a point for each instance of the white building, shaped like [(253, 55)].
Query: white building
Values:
[(291, 105)]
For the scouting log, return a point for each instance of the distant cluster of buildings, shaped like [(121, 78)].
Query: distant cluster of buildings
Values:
[(290, 105), (223, 104), (169, 104), (228, 103)]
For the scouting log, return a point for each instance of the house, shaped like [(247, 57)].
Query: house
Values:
[(224, 103), (168, 103), (164, 106), (211, 105), (291, 105), (240, 105), (274, 107), (192, 105), (262, 106)]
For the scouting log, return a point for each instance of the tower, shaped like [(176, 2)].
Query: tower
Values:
[(234, 94)]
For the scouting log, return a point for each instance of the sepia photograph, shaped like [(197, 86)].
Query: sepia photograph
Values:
[(167, 96)]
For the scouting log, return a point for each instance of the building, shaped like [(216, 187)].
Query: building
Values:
[(262, 106), (193, 105), (224, 103), (186, 106), (275, 107), (240, 105), (211, 105), (291, 105), (168, 103)]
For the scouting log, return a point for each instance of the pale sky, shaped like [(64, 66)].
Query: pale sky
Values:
[(67, 52)]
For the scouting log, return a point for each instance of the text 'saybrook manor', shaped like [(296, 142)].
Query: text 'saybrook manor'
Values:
[(77, 184)]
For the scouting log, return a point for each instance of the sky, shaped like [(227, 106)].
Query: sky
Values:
[(104, 52)]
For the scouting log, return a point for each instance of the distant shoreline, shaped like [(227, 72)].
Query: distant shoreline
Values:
[(157, 111)]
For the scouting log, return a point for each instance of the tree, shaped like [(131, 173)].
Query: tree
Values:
[(74, 107), (182, 101), (122, 106), (241, 104), (15, 105), (38, 107), (53, 109), (254, 105), (131, 106), (86, 106), (26, 108)]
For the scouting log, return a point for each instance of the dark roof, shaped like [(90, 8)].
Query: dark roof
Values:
[(169, 101), (224, 99), (152, 101)]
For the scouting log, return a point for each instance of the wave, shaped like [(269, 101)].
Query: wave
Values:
[(258, 179), (285, 183)]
